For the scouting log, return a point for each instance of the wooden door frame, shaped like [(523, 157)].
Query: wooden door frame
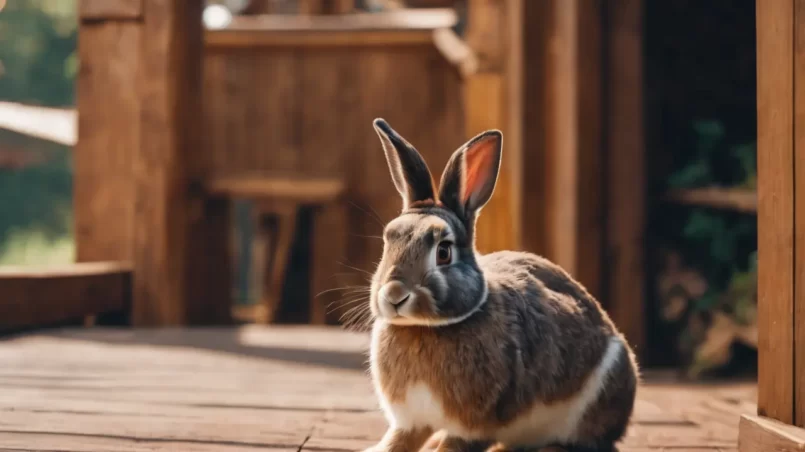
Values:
[(780, 35)]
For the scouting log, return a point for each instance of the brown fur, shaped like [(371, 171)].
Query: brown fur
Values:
[(491, 337), (410, 353)]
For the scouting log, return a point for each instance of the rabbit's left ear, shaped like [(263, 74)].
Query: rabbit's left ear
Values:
[(409, 172), (469, 179)]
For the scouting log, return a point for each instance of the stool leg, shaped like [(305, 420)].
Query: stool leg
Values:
[(262, 250), (328, 248), (283, 235)]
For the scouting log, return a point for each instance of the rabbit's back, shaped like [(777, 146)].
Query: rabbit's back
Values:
[(569, 352)]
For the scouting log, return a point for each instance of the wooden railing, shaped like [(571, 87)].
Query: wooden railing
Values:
[(36, 297)]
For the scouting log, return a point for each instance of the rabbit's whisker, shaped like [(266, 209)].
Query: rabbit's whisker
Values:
[(375, 217), (363, 288), (355, 268)]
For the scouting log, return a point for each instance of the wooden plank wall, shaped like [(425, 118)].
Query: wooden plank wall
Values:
[(781, 209), (137, 161), (315, 120)]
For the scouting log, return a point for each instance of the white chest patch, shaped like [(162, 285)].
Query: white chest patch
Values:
[(542, 424), (422, 408)]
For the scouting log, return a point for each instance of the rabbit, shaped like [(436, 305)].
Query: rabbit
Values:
[(503, 350)]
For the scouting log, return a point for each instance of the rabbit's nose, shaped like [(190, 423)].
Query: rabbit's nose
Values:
[(395, 293)]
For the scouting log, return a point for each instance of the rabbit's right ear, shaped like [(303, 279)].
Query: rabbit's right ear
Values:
[(410, 173)]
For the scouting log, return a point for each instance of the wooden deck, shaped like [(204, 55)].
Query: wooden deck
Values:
[(294, 389)]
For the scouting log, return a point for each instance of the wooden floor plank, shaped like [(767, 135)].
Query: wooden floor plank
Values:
[(273, 388)]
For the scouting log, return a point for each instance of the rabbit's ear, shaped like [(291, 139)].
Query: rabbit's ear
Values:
[(469, 179), (408, 169)]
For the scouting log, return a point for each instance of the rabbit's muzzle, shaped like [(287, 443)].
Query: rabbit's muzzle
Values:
[(393, 297)]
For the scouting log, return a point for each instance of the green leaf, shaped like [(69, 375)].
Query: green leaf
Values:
[(709, 134)]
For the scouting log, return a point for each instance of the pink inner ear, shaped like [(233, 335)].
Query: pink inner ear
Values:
[(479, 160)]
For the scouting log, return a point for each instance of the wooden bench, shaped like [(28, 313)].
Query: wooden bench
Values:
[(277, 201)]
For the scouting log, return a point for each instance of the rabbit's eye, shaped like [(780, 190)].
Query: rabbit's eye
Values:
[(444, 253)]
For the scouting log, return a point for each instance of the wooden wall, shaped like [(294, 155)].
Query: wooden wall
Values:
[(164, 107), (582, 192), (304, 107)]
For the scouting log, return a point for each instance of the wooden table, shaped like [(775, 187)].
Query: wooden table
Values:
[(276, 388)]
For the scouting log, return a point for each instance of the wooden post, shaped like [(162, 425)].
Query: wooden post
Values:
[(562, 146), (139, 157), (622, 273), (486, 92), (181, 273), (108, 104), (781, 229), (581, 190)]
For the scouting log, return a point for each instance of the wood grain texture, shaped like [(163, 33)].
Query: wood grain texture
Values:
[(484, 97), (775, 91), (302, 190), (562, 181), (235, 39), (799, 209), (276, 388), (180, 240), (625, 202), (110, 9), (514, 114), (536, 31), (590, 155), (108, 103), (287, 132), (562, 134), (758, 434), (313, 7), (35, 297), (486, 33)]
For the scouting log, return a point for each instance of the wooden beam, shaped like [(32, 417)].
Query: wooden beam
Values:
[(536, 29), (299, 190), (623, 272), (775, 92), (49, 295), (313, 7), (110, 9), (562, 147), (759, 434), (513, 114), (799, 209), (108, 103), (179, 237), (485, 94), (486, 25)]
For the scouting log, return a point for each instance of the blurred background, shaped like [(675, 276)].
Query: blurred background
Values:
[(629, 153)]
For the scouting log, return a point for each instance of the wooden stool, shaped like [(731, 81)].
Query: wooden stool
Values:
[(277, 201)]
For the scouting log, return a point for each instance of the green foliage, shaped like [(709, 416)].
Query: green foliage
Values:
[(716, 161), (38, 54), (38, 65), (747, 155)]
